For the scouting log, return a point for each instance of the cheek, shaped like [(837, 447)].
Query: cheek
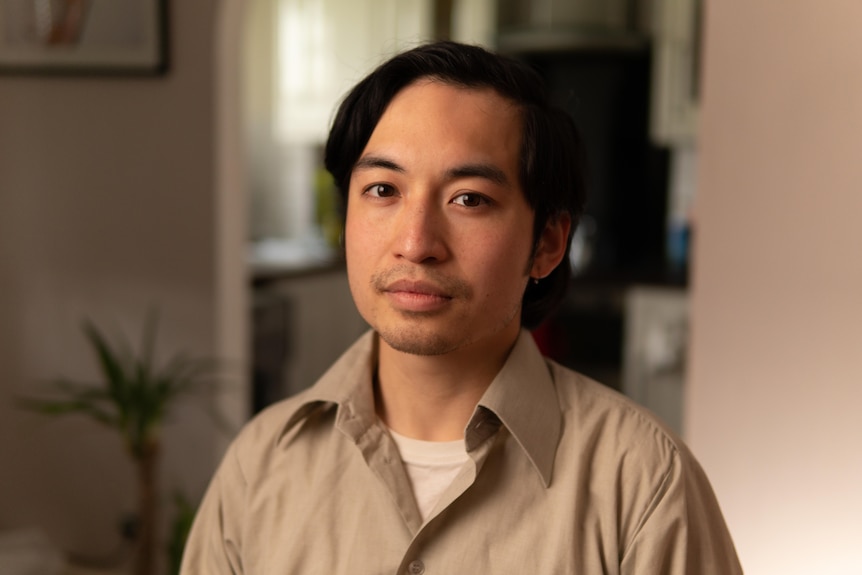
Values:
[(361, 252), (355, 238), (353, 250), (358, 279), (503, 270), (506, 254)]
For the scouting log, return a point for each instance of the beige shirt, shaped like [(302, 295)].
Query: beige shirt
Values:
[(567, 476)]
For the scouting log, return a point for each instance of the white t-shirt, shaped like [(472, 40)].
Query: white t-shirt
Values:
[(431, 467)]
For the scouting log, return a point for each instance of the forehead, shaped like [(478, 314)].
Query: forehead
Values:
[(431, 87), (435, 94), (434, 114)]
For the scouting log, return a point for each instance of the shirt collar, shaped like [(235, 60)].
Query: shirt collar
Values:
[(522, 397), (347, 384)]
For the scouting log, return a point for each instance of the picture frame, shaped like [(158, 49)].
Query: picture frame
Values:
[(84, 37)]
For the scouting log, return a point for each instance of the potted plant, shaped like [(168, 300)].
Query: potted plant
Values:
[(135, 394)]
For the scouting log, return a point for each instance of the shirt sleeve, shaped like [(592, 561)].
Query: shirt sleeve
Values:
[(683, 530), (213, 546)]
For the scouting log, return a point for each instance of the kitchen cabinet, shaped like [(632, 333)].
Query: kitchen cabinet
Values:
[(549, 25), (676, 70), (655, 350), (302, 321), (630, 337)]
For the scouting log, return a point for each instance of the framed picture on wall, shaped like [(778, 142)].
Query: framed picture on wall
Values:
[(73, 37)]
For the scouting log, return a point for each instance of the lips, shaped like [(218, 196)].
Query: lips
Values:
[(416, 296), (420, 288)]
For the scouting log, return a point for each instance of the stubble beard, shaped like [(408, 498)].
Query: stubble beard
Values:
[(417, 341), (417, 334)]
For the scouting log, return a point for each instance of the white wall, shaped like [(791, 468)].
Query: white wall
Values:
[(773, 409), (109, 204)]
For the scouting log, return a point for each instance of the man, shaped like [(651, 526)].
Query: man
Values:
[(442, 441)]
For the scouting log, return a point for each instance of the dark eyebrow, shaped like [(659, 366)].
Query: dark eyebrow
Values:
[(368, 162), (488, 172), (484, 171)]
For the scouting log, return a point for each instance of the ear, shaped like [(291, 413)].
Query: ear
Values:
[(552, 246)]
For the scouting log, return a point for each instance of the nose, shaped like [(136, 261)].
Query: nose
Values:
[(420, 232)]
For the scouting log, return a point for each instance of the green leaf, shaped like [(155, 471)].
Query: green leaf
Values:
[(136, 392), (68, 406), (110, 363)]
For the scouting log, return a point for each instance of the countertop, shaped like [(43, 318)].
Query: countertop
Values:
[(276, 259)]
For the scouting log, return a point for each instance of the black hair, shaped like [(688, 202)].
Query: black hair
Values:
[(551, 163)]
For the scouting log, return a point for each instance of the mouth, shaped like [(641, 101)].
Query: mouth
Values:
[(416, 287), (416, 296)]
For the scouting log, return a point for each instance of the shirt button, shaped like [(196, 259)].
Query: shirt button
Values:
[(416, 568)]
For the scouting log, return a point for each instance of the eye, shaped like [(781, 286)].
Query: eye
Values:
[(380, 191), (470, 200)]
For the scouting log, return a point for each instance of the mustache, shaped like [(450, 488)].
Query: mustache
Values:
[(430, 280)]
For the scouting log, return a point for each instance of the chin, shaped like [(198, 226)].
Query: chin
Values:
[(418, 342)]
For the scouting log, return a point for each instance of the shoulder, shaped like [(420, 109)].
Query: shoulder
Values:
[(274, 427), (586, 402), (620, 436), (626, 447), (631, 460), (271, 422), (266, 435)]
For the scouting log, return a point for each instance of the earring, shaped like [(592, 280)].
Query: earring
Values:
[(535, 281)]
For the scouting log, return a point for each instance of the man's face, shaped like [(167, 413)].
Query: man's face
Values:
[(438, 233)]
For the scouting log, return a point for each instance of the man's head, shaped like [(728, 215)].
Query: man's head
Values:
[(549, 159)]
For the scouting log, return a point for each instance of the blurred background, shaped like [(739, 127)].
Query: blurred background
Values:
[(718, 271)]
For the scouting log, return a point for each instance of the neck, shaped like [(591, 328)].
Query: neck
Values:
[(433, 397)]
